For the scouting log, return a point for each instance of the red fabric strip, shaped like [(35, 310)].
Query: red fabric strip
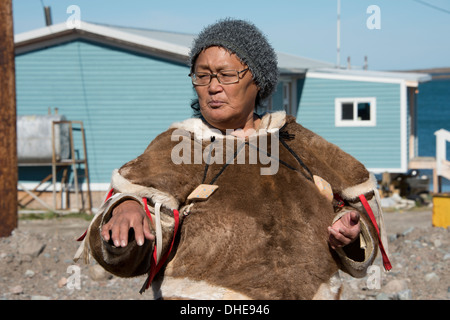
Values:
[(386, 262), (110, 194), (82, 236), (154, 268), (147, 211)]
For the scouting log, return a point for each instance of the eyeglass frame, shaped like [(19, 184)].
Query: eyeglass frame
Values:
[(215, 75)]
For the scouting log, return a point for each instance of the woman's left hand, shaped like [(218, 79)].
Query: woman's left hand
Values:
[(345, 230)]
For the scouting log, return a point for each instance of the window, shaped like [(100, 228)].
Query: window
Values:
[(355, 112), (287, 97)]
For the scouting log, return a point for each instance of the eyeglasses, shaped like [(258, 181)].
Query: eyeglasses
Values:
[(224, 77)]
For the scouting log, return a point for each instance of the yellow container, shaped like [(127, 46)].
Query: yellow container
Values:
[(441, 210)]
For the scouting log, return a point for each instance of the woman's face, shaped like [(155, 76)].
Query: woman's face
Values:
[(228, 106)]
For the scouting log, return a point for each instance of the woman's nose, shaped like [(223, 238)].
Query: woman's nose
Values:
[(215, 85)]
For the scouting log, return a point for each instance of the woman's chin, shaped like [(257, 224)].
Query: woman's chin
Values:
[(216, 116)]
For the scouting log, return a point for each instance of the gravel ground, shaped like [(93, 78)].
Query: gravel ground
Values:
[(36, 264), (420, 258)]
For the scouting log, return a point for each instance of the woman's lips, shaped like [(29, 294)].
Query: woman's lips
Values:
[(215, 103)]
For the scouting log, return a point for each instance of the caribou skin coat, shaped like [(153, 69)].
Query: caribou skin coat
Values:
[(258, 236)]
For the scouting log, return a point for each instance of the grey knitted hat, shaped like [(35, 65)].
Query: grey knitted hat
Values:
[(248, 43)]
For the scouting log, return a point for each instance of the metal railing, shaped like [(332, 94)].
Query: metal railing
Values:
[(442, 164)]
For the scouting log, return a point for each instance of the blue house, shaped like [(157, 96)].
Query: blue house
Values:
[(371, 115), (128, 85)]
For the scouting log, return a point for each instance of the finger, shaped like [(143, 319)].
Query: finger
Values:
[(354, 218), (332, 239), (138, 233), (337, 238), (105, 231), (114, 230), (147, 231), (346, 232), (124, 228), (114, 235), (352, 231), (334, 243), (349, 234)]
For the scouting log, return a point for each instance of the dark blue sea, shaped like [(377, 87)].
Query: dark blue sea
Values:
[(433, 113)]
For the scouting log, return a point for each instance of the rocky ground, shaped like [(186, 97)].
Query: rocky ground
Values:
[(36, 264), (420, 257)]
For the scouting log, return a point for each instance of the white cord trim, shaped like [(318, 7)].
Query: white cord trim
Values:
[(158, 231)]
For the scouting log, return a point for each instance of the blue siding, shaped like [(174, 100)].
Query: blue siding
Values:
[(377, 147), (277, 97), (124, 99)]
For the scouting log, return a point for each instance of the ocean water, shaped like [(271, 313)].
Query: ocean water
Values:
[(433, 113)]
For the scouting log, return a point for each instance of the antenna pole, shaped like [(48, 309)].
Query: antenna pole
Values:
[(338, 59)]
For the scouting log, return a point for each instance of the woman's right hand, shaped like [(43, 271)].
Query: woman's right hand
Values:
[(126, 215)]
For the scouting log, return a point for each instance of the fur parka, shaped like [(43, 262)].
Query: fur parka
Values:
[(262, 234)]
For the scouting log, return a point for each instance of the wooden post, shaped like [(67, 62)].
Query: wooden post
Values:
[(8, 147)]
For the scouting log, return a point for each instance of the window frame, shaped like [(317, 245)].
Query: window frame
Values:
[(287, 96), (338, 103)]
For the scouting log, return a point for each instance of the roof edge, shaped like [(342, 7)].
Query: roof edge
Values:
[(368, 75), (85, 28)]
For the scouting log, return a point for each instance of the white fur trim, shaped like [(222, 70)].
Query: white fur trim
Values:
[(381, 224), (273, 121), (270, 122), (123, 185), (200, 129), (158, 232), (193, 290), (365, 187), (330, 290)]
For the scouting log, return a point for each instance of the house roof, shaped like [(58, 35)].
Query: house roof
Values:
[(411, 78), (60, 33), (175, 46)]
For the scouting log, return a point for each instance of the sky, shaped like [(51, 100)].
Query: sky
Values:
[(393, 34)]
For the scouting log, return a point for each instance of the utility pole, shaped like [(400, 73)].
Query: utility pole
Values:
[(8, 138)]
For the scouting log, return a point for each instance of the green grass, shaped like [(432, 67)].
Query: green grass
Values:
[(54, 215)]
